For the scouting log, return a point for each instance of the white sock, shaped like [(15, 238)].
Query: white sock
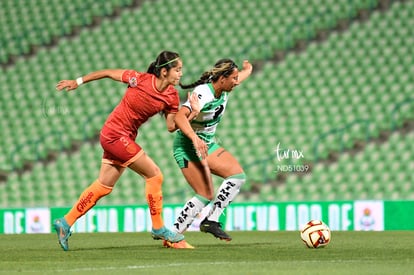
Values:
[(225, 195), (189, 212)]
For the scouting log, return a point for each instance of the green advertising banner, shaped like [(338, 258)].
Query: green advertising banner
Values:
[(399, 215), (266, 216)]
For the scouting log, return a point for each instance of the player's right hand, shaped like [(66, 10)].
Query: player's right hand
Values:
[(67, 85), (201, 147)]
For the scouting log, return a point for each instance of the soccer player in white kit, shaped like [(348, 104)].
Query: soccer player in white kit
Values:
[(199, 156)]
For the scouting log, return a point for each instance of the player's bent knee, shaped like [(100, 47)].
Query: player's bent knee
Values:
[(152, 172), (159, 178)]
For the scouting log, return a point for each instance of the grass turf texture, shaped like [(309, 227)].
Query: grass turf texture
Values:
[(390, 252)]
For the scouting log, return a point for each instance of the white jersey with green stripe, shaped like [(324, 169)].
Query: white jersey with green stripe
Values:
[(211, 112)]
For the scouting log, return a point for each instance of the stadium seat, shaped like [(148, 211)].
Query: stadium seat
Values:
[(361, 74)]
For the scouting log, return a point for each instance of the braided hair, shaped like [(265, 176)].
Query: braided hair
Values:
[(223, 67)]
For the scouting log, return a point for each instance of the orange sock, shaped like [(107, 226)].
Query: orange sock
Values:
[(87, 200), (153, 194)]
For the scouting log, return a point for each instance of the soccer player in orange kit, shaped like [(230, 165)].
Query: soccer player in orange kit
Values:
[(147, 94)]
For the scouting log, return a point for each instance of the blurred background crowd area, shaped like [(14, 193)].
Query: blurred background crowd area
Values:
[(328, 113)]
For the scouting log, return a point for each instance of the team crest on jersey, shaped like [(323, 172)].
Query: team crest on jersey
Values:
[(133, 81)]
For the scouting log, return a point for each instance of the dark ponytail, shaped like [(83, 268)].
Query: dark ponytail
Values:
[(166, 60), (223, 67)]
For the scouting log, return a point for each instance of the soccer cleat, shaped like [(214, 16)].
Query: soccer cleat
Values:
[(167, 235), (178, 245), (63, 232), (214, 228)]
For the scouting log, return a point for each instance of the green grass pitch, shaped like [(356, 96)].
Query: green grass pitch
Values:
[(390, 252)]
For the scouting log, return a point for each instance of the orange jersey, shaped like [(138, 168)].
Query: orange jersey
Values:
[(141, 101)]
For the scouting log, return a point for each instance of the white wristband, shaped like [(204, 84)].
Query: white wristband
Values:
[(79, 80)]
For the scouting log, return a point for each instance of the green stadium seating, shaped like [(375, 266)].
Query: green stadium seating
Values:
[(24, 24), (356, 80)]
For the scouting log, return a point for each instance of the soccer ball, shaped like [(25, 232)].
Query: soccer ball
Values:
[(315, 234)]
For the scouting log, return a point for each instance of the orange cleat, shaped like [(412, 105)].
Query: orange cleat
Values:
[(178, 245)]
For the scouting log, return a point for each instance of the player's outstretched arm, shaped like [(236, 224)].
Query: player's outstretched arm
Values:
[(68, 85), (246, 71)]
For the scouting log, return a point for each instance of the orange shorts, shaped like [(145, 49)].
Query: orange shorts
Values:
[(119, 149)]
